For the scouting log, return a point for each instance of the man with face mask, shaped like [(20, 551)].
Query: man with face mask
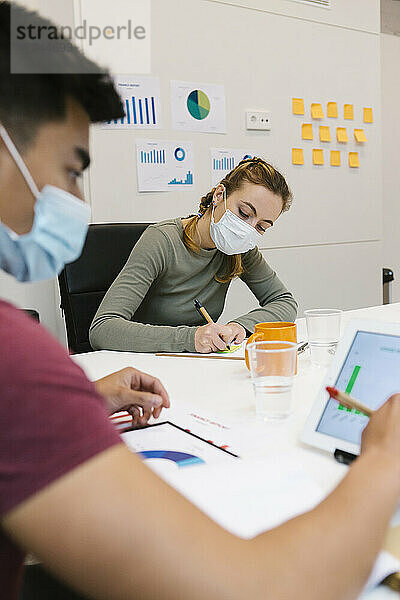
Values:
[(70, 491)]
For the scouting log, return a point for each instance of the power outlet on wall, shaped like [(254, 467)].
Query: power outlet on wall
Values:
[(258, 119)]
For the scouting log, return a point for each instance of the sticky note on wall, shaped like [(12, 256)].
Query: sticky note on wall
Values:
[(348, 111), (324, 133), (331, 110), (298, 106), (306, 131), (353, 159), (318, 156), (316, 111), (368, 115), (335, 158), (341, 134), (360, 136), (297, 156)]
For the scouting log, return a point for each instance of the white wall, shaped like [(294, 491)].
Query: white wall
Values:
[(362, 15), (195, 39), (390, 49), (264, 59)]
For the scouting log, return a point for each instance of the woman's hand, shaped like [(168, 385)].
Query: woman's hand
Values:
[(213, 336), (141, 395), (239, 333)]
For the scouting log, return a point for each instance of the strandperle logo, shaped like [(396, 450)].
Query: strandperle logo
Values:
[(89, 33)]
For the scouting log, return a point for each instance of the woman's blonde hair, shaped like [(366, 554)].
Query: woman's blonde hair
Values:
[(253, 170)]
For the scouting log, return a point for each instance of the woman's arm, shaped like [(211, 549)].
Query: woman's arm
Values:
[(112, 327), (276, 302)]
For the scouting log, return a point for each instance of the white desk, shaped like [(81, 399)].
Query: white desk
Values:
[(222, 389)]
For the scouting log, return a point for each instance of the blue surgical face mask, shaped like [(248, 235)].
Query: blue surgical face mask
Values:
[(58, 232)]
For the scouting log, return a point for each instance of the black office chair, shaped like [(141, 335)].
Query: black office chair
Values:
[(32, 313), (84, 282), (38, 584)]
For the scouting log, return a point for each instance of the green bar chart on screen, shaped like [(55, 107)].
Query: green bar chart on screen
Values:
[(349, 389)]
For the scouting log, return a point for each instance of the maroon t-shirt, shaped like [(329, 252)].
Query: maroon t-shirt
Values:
[(51, 421)]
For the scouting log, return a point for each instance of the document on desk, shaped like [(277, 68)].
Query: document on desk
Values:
[(234, 352), (249, 497)]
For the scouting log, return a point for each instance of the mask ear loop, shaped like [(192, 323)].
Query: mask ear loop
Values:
[(19, 162)]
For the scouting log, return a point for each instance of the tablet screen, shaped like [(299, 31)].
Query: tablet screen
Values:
[(370, 373)]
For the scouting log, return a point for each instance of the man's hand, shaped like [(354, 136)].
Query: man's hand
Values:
[(141, 395), (383, 431)]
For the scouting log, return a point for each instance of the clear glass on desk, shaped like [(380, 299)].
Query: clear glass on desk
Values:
[(323, 328), (272, 368)]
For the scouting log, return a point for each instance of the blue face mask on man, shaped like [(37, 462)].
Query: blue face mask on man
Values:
[(58, 232)]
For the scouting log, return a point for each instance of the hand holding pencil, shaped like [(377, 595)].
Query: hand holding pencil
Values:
[(383, 430), (213, 336)]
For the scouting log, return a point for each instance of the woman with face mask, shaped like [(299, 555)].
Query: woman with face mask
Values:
[(149, 307)]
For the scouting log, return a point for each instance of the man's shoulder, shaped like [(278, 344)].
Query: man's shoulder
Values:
[(27, 347)]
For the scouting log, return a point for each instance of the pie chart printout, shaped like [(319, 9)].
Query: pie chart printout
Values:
[(181, 459), (198, 105), (166, 449)]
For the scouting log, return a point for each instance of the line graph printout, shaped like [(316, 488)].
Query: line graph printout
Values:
[(370, 373)]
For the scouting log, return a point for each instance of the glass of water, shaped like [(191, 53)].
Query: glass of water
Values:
[(272, 368), (323, 328)]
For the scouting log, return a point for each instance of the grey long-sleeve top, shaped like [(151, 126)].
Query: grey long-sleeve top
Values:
[(149, 307)]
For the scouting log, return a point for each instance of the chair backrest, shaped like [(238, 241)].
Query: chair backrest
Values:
[(84, 282)]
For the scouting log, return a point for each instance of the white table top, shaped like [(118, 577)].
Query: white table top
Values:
[(215, 398)]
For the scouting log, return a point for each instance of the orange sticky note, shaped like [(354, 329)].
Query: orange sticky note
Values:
[(368, 116), (297, 156), (331, 110), (324, 133), (298, 106), (335, 158), (316, 111), (318, 156), (353, 159), (341, 134), (348, 111), (360, 135), (306, 131)]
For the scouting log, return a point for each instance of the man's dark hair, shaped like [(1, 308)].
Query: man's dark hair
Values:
[(27, 101)]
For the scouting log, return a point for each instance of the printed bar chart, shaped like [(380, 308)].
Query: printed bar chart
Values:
[(187, 181), (224, 164), (152, 157), (139, 111)]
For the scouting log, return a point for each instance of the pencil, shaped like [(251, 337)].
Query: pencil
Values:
[(217, 356), (200, 308), (348, 401)]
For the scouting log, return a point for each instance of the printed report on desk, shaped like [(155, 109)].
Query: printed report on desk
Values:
[(370, 373)]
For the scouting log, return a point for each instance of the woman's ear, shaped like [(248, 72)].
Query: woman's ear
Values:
[(219, 194)]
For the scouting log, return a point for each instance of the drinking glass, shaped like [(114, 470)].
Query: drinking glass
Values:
[(272, 368), (323, 328)]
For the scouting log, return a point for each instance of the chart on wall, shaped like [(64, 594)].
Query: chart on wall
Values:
[(198, 107), (223, 160), (164, 165), (141, 100)]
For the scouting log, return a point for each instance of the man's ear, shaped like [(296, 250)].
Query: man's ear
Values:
[(219, 193)]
